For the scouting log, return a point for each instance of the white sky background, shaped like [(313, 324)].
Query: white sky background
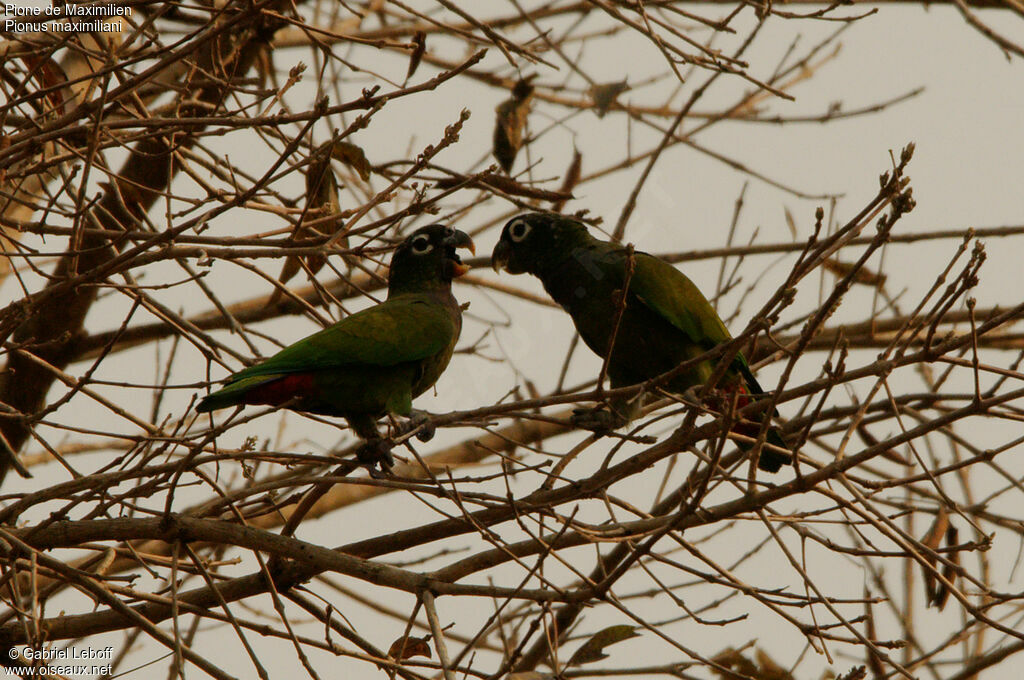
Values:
[(968, 171)]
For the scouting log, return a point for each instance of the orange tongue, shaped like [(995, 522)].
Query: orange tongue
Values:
[(459, 269)]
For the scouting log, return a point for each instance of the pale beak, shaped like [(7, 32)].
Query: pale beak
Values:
[(460, 239), (501, 255)]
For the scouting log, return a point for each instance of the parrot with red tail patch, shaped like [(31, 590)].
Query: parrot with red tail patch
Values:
[(375, 361), (665, 321)]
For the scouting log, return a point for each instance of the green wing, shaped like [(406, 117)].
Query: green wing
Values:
[(406, 328), (669, 292)]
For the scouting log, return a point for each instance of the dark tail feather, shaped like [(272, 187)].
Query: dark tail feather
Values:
[(231, 395), (272, 389), (207, 405), (772, 460)]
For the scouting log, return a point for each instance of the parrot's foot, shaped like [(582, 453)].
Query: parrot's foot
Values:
[(374, 452), (692, 395), (418, 419), (598, 419)]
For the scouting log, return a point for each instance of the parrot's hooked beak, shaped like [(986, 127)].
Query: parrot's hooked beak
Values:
[(501, 255), (459, 239)]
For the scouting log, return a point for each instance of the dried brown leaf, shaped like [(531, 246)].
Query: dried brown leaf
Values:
[(769, 669), (571, 179), (353, 156), (604, 96), (932, 540), (419, 40), (593, 649), (322, 189), (862, 275), (405, 648), (733, 659), (790, 222), (765, 667), (949, 571), (510, 122), (856, 673), (51, 76), (322, 200)]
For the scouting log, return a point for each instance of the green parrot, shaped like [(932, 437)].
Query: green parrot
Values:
[(374, 361), (666, 319)]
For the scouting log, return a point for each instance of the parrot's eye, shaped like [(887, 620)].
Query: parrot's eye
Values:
[(518, 230), (422, 245)]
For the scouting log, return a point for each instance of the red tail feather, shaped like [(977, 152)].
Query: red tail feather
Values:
[(277, 392)]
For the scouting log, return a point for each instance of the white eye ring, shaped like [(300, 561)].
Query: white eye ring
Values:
[(518, 230), (421, 245)]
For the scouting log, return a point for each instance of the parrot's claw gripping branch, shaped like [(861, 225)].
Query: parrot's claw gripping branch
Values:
[(599, 420), (375, 453), (418, 423)]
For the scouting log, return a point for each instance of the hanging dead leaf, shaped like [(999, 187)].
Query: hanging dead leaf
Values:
[(732, 659), (523, 89), (856, 673), (51, 76), (322, 201), (605, 95), (949, 571), (769, 669), (764, 669), (321, 183), (593, 649), (353, 156), (571, 179), (510, 122), (419, 41), (405, 648), (862, 275), (932, 540), (790, 222)]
